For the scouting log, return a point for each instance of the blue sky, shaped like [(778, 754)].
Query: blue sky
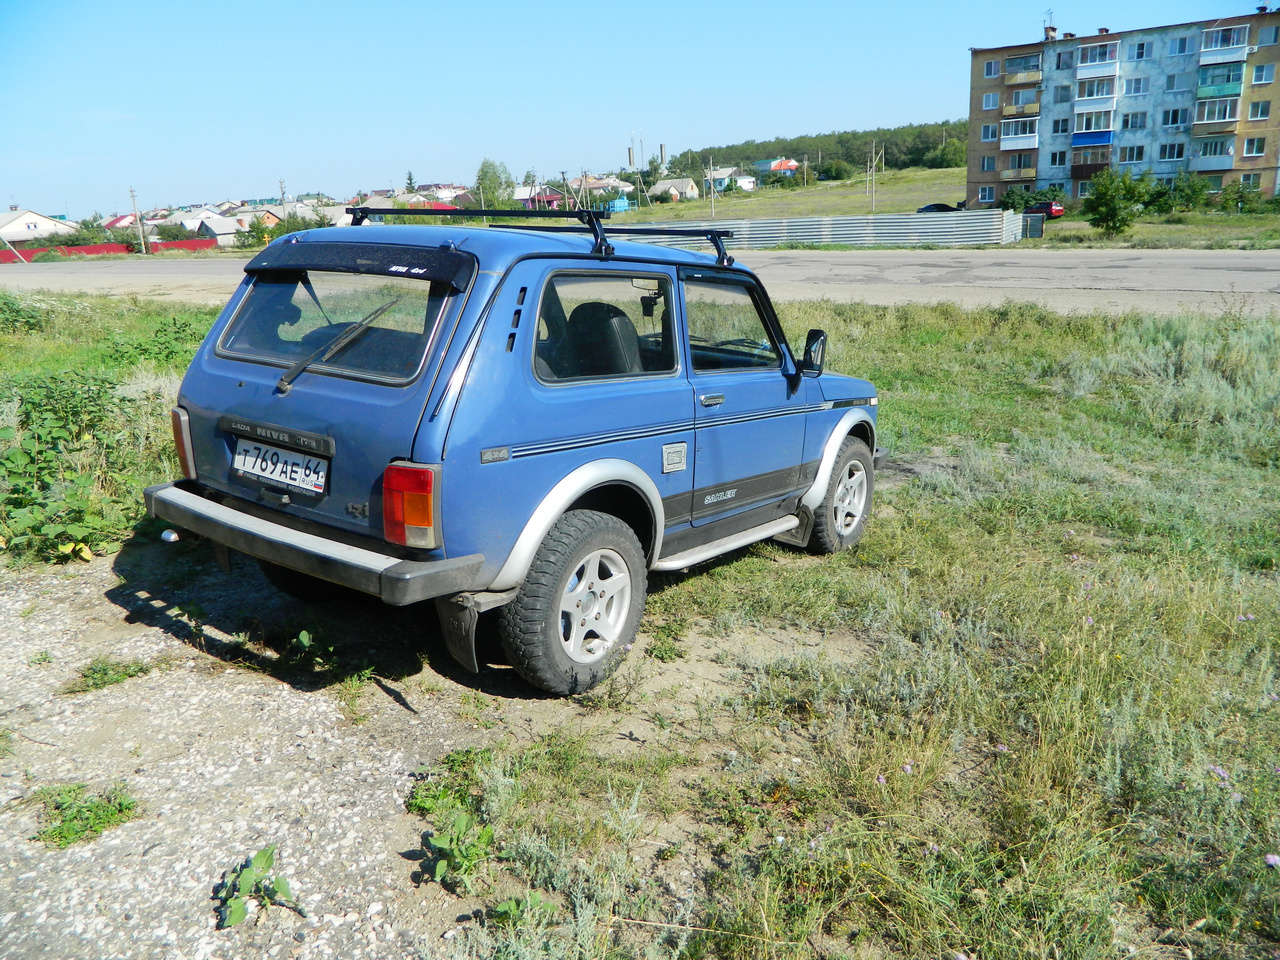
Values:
[(202, 100)]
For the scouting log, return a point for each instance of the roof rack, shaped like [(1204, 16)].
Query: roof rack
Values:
[(589, 219)]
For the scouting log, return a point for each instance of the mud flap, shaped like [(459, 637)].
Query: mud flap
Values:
[(458, 616)]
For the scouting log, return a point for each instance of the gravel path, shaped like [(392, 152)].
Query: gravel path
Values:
[(222, 760)]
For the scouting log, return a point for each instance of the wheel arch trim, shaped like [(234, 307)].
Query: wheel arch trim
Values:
[(812, 498), (584, 479)]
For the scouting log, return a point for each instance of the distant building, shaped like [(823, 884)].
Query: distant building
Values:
[(682, 188), (19, 225), (782, 165), (1189, 97), (719, 179), (222, 229)]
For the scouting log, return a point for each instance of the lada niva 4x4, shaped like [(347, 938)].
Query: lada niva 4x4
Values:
[(523, 419)]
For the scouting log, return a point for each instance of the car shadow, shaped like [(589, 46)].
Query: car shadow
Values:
[(238, 617)]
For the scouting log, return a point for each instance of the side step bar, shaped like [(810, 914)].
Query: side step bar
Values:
[(716, 547)]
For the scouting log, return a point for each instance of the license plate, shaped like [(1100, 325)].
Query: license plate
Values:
[(286, 467)]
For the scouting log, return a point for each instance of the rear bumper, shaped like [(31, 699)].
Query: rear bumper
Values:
[(396, 581)]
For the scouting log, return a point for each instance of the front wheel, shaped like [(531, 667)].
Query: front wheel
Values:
[(578, 610), (842, 516)]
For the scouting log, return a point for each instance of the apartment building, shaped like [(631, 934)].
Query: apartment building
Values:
[(1191, 97)]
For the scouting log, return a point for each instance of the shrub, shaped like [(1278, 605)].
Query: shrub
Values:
[(1114, 201)]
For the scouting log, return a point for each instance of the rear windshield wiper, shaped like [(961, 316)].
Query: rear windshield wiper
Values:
[(327, 351)]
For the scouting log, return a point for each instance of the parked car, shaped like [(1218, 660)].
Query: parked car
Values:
[(1052, 209), (512, 419), (940, 208)]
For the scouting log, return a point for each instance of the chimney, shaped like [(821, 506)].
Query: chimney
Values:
[(1050, 32), (1103, 30), (1068, 36)]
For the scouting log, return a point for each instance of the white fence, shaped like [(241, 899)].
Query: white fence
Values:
[(890, 229)]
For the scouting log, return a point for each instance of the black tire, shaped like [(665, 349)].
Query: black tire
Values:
[(832, 533), (533, 625), (299, 585)]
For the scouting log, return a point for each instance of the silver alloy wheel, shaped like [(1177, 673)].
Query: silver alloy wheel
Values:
[(850, 498), (594, 606)]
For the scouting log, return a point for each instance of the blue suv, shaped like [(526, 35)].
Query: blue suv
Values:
[(523, 419)]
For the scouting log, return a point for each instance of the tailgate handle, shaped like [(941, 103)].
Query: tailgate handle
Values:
[(711, 399)]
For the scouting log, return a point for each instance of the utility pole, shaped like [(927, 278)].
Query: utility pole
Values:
[(711, 186), (137, 220), (282, 198)]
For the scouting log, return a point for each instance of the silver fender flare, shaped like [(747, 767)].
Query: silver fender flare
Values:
[(813, 496), (556, 502)]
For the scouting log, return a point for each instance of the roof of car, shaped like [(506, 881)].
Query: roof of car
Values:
[(496, 247)]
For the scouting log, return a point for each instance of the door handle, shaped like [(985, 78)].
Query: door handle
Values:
[(711, 399)]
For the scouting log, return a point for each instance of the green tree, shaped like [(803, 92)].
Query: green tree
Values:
[(409, 184), (173, 231), (835, 170), (530, 179), (493, 185), (948, 154), (1188, 191), (1113, 202), (1240, 197)]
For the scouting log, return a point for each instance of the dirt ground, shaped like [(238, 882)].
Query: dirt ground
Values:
[(226, 754)]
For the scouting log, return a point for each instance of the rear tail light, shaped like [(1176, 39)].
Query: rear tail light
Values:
[(409, 505), (182, 441)]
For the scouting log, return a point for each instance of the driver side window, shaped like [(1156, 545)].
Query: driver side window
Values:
[(726, 331)]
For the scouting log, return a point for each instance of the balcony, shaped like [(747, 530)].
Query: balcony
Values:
[(1026, 76), (1025, 110), (1093, 104), (1224, 54), (1022, 141), (1213, 128), (1093, 138), (1090, 71), (1209, 164), (1214, 90), (1086, 171), (1026, 173)]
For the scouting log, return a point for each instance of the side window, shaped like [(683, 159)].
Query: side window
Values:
[(604, 325), (726, 331)]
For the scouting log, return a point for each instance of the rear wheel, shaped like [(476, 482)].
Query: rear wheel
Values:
[(577, 612), (842, 516)]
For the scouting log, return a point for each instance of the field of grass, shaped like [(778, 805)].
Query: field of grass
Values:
[(1202, 229), (1035, 714), (897, 191)]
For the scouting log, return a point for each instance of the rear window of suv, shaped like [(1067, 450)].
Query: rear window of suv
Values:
[(288, 315)]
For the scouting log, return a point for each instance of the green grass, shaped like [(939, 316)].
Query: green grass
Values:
[(897, 191), (6, 743), (71, 814), (105, 672), (1201, 229)]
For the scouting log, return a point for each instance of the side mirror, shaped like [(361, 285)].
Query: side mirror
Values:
[(815, 353)]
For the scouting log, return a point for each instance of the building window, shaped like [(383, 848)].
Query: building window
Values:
[(986, 194), (1019, 128), (1091, 155), (1098, 53), (1215, 111), (990, 131), (1133, 121), (991, 68), (1173, 118), (1097, 120), (1260, 110), (1023, 97), (1221, 38), (1062, 93), (1166, 182), (1030, 63), (1177, 81), (1104, 87), (1139, 51), (988, 164), (1062, 125), (1136, 85), (1179, 46), (1264, 73), (1066, 59), (1215, 183), (1215, 148), (1058, 158), (1173, 151), (1131, 154), (1221, 73), (1251, 180), (1255, 146), (1022, 161), (1084, 188), (1267, 36), (990, 101)]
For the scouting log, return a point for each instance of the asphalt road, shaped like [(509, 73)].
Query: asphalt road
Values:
[(1157, 281)]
